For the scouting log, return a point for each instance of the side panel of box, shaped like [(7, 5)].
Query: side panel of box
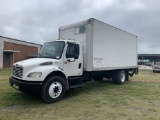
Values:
[(113, 48)]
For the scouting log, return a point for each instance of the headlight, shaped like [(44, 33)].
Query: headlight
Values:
[(34, 74)]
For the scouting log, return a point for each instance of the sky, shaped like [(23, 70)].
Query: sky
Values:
[(38, 21)]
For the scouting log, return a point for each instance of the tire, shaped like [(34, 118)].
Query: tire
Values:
[(53, 89), (121, 77)]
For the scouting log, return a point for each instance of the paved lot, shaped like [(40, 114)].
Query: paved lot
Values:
[(144, 67)]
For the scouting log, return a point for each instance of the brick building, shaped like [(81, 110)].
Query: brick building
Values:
[(12, 50)]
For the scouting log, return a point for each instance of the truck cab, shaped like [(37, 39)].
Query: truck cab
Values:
[(48, 74)]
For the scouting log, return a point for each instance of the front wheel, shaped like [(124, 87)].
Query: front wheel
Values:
[(53, 89)]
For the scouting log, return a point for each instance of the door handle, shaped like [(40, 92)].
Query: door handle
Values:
[(80, 65)]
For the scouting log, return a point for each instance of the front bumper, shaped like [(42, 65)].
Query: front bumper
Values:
[(25, 86)]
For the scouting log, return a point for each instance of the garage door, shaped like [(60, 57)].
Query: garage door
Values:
[(7, 59)]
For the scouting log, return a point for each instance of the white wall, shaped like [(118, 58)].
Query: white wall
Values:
[(1, 52)]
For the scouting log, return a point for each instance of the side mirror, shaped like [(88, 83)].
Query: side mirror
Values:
[(71, 59), (76, 56)]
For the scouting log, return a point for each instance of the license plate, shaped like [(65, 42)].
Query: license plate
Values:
[(15, 86)]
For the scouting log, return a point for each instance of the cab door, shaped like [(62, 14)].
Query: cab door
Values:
[(73, 59)]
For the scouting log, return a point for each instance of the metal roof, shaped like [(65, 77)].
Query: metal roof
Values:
[(149, 56)]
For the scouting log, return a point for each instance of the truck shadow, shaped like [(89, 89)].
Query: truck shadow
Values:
[(89, 87), (21, 98)]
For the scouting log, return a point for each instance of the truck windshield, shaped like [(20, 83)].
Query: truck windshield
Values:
[(52, 50)]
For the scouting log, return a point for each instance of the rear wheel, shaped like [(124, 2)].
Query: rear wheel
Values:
[(121, 77), (53, 89)]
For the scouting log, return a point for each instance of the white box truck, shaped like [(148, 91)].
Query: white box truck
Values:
[(87, 50)]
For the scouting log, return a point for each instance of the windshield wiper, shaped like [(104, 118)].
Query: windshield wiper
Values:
[(39, 55), (48, 54)]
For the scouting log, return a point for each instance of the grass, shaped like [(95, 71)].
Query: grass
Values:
[(138, 99)]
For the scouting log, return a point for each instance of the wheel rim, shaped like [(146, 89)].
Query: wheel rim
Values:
[(55, 89), (122, 76)]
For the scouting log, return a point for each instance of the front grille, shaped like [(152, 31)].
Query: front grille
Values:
[(17, 71)]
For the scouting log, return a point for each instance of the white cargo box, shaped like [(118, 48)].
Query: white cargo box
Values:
[(105, 47)]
